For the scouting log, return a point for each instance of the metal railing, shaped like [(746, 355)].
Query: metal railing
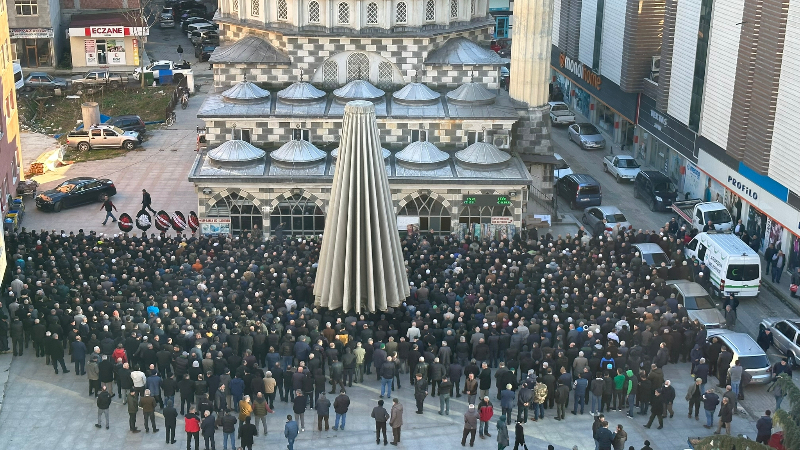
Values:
[(546, 201)]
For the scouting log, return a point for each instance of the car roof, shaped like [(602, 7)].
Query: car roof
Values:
[(648, 247), (582, 178), (654, 175), (162, 61), (607, 209), (688, 288), (742, 343), (580, 124), (625, 157), (731, 242), (38, 74), (78, 180), (556, 103)]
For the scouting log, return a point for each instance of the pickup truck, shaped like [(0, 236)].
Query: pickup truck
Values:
[(698, 213), (622, 167), (99, 78), (560, 114), (155, 67), (102, 136)]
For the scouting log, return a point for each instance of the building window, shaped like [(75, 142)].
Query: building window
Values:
[(433, 215), (453, 9), (300, 135), (401, 12), (475, 136), (298, 215), (255, 7), (235, 6), (245, 216), (430, 11), (357, 67), (472, 8), (26, 7), (313, 12), (701, 58), (482, 214), (283, 10), (419, 135), (372, 13), (330, 73), (241, 134), (385, 74), (344, 13)]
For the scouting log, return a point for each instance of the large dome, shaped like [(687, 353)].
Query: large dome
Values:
[(471, 94), (245, 92), (358, 90), (301, 92), (416, 94), (482, 154), (235, 151), (421, 152), (386, 153), (297, 152)]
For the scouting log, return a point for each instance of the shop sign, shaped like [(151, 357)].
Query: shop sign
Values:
[(215, 225), (580, 70), (743, 188), (502, 220), (667, 129), (31, 33), (135, 52), (90, 48), (107, 31)]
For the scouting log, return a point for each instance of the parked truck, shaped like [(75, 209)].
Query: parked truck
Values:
[(698, 213), (560, 114), (621, 167), (99, 78)]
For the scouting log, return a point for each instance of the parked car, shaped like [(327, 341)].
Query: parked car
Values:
[(655, 188), (785, 336), (199, 36), (201, 26), (560, 114), (74, 192), (102, 136), (621, 167), (587, 136), (561, 168), (652, 254), (203, 51), (191, 20), (128, 123), (97, 78), (41, 80), (593, 219), (697, 302), (744, 348), (580, 190), (156, 67)]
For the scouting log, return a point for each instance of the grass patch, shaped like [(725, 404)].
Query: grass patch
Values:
[(76, 155)]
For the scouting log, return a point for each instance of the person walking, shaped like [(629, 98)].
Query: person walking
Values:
[(260, 410), (246, 433), (245, 409), (485, 411), (420, 391), (604, 437), (133, 410), (56, 352), (620, 437), (180, 52), (340, 406), (502, 433), (228, 424), (764, 427), (519, 436), (396, 420), (209, 428), (109, 207), (445, 390), (170, 422), (148, 404), (147, 201), (656, 410), (299, 408), (290, 431), (470, 425), (695, 396), (730, 319), (778, 263), (381, 416), (93, 374), (103, 403), (725, 416), (323, 408), (192, 428), (668, 397), (735, 374), (507, 397), (710, 402)]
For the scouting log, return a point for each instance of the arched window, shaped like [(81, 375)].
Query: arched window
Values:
[(401, 15), (482, 214), (430, 11), (344, 13), (255, 8), (472, 8), (299, 216), (243, 213), (313, 12), (372, 13), (283, 10), (357, 67), (385, 74), (453, 9), (330, 74), (433, 215)]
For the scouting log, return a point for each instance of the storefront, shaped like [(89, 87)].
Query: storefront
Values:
[(105, 41), (33, 47), (596, 97)]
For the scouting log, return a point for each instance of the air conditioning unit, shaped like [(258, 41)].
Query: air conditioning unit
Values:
[(502, 141), (656, 64)]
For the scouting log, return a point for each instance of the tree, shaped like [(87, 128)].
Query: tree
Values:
[(141, 18)]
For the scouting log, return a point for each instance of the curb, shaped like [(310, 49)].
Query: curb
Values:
[(785, 299)]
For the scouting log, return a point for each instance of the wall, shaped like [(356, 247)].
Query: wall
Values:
[(588, 25), (10, 153), (79, 55), (644, 28), (557, 21), (684, 51), (612, 45), (41, 20)]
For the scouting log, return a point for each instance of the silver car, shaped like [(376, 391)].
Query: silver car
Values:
[(587, 136), (593, 219), (744, 348), (652, 254), (697, 302), (785, 336)]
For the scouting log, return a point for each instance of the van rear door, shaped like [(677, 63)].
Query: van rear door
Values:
[(743, 276)]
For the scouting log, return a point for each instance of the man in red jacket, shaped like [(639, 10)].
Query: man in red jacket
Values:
[(486, 411), (192, 429)]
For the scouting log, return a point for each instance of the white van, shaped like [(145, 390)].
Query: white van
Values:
[(734, 267), (19, 80)]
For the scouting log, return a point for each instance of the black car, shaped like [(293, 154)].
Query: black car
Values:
[(204, 51), (128, 123), (655, 188), (76, 191)]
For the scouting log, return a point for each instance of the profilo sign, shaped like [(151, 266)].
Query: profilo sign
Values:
[(580, 70)]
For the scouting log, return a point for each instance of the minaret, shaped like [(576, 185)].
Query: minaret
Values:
[(361, 265), (530, 78)]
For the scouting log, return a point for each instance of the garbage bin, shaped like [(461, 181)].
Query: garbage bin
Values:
[(148, 78), (165, 77)]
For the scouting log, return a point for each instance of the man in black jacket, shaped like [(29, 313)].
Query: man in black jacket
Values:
[(420, 391), (170, 421), (228, 424), (103, 403), (56, 352), (208, 427)]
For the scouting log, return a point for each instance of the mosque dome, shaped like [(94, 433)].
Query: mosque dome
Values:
[(416, 94), (245, 92), (301, 92), (482, 154), (297, 151), (421, 152), (471, 94), (358, 90), (386, 153), (235, 151)]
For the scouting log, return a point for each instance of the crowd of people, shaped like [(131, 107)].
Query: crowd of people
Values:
[(219, 329)]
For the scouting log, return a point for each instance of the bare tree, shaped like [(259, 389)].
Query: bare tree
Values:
[(141, 18)]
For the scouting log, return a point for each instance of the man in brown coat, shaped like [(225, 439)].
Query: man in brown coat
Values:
[(396, 420), (148, 404)]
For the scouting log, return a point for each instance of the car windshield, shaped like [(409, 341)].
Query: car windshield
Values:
[(590, 190), (561, 107), (588, 130), (742, 272), (628, 163), (754, 362), (614, 218), (665, 186), (700, 302), (65, 187), (718, 216), (657, 258)]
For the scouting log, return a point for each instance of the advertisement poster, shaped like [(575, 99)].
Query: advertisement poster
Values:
[(775, 233), (116, 51), (691, 184), (212, 226), (135, 52), (699, 185), (90, 47)]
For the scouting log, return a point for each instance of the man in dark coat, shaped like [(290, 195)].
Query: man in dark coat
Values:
[(246, 433), (656, 410), (170, 422), (56, 352)]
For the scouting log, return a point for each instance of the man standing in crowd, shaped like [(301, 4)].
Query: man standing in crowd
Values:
[(381, 416), (396, 420)]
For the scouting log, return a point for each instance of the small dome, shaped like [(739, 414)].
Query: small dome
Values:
[(235, 151), (416, 93), (301, 91), (245, 92), (386, 153), (421, 152), (358, 90), (483, 154), (471, 94), (297, 151)]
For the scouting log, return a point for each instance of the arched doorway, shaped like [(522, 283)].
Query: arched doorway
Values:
[(299, 215), (244, 214), (482, 214), (432, 213)]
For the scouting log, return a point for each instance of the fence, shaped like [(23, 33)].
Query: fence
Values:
[(544, 200), (182, 86)]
